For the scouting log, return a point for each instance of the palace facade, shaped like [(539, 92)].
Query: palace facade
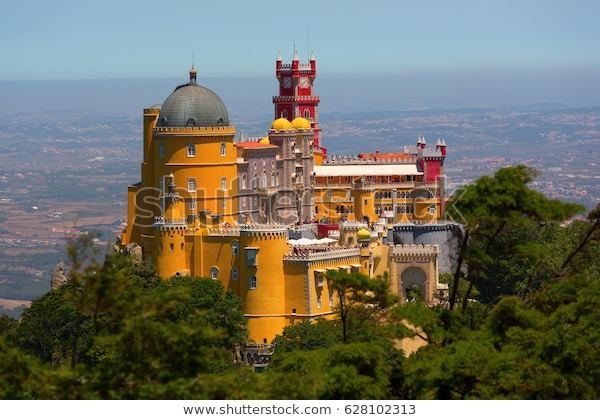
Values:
[(268, 217)]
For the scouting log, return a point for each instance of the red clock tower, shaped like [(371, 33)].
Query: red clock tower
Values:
[(296, 97)]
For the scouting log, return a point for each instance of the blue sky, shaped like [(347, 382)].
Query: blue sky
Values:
[(42, 40)]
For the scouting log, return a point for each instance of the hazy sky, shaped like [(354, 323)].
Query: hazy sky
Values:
[(41, 40)]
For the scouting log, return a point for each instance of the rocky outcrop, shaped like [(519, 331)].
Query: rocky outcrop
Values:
[(59, 276), (134, 251)]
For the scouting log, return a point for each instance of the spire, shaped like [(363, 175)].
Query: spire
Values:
[(296, 58), (279, 56), (312, 56), (439, 142), (443, 142)]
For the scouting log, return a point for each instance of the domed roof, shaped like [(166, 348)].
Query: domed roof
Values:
[(300, 122), (363, 234), (265, 140), (281, 124), (192, 105)]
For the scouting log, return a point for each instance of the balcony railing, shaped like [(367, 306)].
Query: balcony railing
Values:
[(292, 98), (317, 255)]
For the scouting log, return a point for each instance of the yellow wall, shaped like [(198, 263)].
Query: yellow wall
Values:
[(207, 167), (216, 251), (169, 261), (264, 306)]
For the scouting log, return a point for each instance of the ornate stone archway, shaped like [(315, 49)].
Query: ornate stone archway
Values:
[(412, 277)]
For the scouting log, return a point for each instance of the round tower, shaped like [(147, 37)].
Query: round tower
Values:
[(169, 234), (262, 286)]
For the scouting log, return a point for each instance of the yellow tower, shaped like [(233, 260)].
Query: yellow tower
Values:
[(169, 234), (262, 286)]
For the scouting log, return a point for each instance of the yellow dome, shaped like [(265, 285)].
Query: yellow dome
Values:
[(281, 124), (363, 234), (265, 140), (300, 123)]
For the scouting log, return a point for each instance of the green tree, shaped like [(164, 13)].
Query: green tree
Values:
[(493, 209), (308, 335), (354, 291)]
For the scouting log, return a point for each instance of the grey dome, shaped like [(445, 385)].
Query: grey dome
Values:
[(192, 105)]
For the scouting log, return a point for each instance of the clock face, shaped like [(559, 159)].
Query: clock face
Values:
[(287, 82), (304, 82)]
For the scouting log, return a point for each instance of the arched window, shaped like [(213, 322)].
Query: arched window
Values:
[(306, 114), (190, 122), (284, 113), (234, 274), (235, 247), (214, 273), (263, 180), (252, 282), (273, 179), (223, 184), (223, 149), (191, 150), (161, 150), (244, 182)]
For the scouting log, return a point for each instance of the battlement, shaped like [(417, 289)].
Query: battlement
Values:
[(155, 109), (353, 160), (224, 231), (264, 229), (414, 250)]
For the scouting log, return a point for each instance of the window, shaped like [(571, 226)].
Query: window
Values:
[(192, 205), (319, 279), (284, 113), (214, 273), (172, 247), (161, 150), (319, 303), (330, 299), (191, 184), (223, 184), (306, 114), (235, 248), (182, 247), (252, 282), (223, 149), (273, 178), (251, 256), (244, 182), (432, 210), (263, 180), (234, 274), (191, 150)]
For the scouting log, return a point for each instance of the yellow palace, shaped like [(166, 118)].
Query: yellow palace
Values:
[(268, 217)]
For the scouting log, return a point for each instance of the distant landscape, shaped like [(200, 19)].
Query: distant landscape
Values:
[(63, 173)]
